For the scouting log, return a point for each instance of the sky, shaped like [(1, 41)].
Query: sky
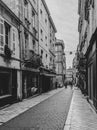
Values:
[(65, 16)]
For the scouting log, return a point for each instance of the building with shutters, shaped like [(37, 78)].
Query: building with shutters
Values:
[(59, 60), (30, 59), (10, 73), (87, 28), (27, 12), (47, 32), (27, 41)]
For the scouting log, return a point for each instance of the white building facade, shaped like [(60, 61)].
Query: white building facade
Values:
[(59, 60), (10, 84)]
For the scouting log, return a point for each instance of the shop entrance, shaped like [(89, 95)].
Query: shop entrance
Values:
[(4, 84)]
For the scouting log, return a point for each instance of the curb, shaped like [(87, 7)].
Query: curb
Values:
[(67, 125)]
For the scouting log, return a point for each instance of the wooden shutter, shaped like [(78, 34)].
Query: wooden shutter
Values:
[(1, 34), (13, 40)]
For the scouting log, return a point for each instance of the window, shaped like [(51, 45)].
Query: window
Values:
[(26, 9), (41, 52), (41, 31), (46, 21), (33, 18), (41, 13), (26, 43), (1, 33), (50, 58), (7, 33), (34, 45), (46, 55), (34, 1), (25, 2), (4, 83), (50, 41), (46, 40)]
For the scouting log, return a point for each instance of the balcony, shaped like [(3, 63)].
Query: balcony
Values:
[(52, 67), (34, 60), (7, 52), (34, 31)]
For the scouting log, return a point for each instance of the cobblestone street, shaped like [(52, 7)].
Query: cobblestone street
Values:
[(48, 115)]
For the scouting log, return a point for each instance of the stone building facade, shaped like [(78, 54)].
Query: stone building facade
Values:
[(10, 73), (27, 34), (59, 52), (87, 45), (47, 32)]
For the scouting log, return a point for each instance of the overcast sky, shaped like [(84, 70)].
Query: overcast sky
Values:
[(65, 17)]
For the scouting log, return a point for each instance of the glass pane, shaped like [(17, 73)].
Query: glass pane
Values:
[(1, 21), (6, 39), (13, 36), (1, 28), (13, 46)]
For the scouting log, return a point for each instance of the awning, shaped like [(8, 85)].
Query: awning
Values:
[(48, 75), (31, 70)]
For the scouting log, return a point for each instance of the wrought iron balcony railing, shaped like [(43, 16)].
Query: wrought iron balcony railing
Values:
[(34, 61)]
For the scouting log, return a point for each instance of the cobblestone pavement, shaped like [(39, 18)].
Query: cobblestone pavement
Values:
[(81, 115), (50, 114), (14, 110)]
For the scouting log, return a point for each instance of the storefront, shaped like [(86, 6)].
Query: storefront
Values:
[(8, 86), (92, 69), (47, 80), (30, 82)]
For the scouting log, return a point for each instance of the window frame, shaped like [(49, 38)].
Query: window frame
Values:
[(13, 40)]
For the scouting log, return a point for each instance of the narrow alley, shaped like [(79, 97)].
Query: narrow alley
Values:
[(48, 64), (49, 114)]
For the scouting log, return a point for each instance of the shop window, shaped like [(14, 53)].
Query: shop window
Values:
[(4, 84)]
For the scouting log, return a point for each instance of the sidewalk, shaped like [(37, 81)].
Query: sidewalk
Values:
[(81, 115), (14, 110)]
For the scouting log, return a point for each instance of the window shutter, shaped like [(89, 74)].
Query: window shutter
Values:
[(1, 34), (26, 12), (13, 39)]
